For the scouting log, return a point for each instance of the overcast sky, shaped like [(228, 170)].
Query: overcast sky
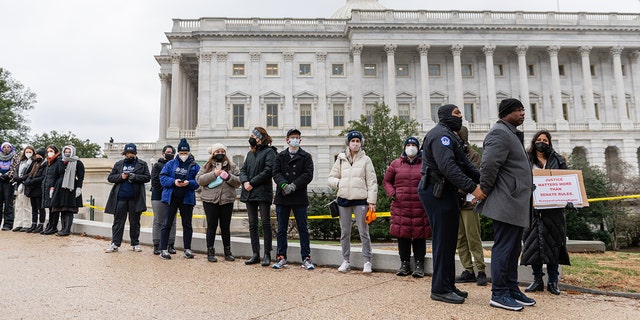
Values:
[(91, 62)]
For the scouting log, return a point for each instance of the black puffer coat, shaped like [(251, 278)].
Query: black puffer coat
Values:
[(258, 170), (33, 185), (61, 197), (546, 240)]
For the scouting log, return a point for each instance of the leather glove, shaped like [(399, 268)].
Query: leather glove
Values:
[(289, 188), (4, 176), (130, 177), (78, 192)]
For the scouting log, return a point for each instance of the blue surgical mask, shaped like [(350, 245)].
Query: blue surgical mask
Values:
[(294, 142)]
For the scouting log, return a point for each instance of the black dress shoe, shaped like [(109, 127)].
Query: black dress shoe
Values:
[(461, 293), (6, 228), (17, 229), (553, 288), (447, 297), (255, 258), (266, 260)]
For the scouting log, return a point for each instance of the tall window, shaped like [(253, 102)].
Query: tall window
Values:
[(238, 69), (305, 115), (337, 69), (468, 112), (592, 68), (531, 70), (403, 112), (338, 115), (624, 71), (534, 111), (498, 70), (467, 70), (304, 69), (434, 111), (272, 69), (434, 70), (238, 115), (561, 70), (597, 109), (369, 108), (565, 111), (272, 115), (371, 70), (402, 70)]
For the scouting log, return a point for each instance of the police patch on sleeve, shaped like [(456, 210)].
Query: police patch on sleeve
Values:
[(445, 141)]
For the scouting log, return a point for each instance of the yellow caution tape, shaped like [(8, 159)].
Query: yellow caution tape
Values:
[(633, 196)]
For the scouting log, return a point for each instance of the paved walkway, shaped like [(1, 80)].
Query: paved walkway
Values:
[(47, 277)]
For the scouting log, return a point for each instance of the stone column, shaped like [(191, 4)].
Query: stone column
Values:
[(425, 94), (587, 88), (223, 119), (356, 51), (556, 95), (321, 109), (521, 51), (289, 114), (491, 84), (456, 50), (616, 51), (175, 118), (204, 91), (390, 49), (635, 71), (254, 114), (165, 107)]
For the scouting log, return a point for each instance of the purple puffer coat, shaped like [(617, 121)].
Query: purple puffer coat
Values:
[(408, 218)]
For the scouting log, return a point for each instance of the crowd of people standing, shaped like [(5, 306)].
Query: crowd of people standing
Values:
[(437, 189)]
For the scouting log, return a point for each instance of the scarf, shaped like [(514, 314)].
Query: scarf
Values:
[(7, 157), (69, 179)]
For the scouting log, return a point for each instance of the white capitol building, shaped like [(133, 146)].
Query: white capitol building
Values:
[(577, 73)]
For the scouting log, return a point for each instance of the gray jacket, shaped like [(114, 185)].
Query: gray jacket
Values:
[(221, 194), (505, 177)]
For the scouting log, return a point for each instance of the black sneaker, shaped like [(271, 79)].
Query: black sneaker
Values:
[(165, 255), (482, 279), (522, 299), (505, 302), (188, 254), (171, 249), (466, 276)]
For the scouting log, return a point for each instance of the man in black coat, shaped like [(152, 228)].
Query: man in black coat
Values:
[(128, 195), (292, 172)]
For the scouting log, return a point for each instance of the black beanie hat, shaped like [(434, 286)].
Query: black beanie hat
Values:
[(41, 152), (445, 111), (130, 147), (413, 140), (354, 134), (183, 145), (507, 106)]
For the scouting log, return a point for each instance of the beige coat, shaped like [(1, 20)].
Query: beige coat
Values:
[(222, 194), (354, 178)]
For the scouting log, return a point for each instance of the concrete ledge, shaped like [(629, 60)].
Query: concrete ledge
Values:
[(323, 255)]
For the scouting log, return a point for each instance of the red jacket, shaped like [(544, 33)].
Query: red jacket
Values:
[(408, 218)]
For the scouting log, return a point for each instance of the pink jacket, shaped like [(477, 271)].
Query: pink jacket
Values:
[(408, 218)]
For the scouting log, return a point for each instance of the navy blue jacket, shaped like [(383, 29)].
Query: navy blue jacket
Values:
[(168, 178)]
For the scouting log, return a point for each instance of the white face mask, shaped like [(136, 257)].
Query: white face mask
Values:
[(355, 146), (67, 154), (294, 142), (28, 154), (411, 151), (50, 154), (184, 158)]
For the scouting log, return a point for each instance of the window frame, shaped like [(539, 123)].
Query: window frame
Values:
[(236, 117), (236, 67), (309, 74), (272, 116), (434, 65), (375, 68), (343, 74), (470, 68), (268, 70), (303, 118), (398, 70)]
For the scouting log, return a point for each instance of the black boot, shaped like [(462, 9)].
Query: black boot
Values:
[(227, 254), (39, 228), (255, 258), (156, 249), (17, 229), (536, 285), (553, 288), (266, 260), (52, 226), (33, 227), (405, 267), (419, 271), (211, 254), (67, 221)]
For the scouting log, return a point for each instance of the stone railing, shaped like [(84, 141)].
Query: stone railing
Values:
[(496, 18), (258, 25)]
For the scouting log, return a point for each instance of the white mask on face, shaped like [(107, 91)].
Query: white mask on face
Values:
[(355, 146), (294, 142), (184, 158), (28, 154), (411, 151), (50, 154), (67, 154)]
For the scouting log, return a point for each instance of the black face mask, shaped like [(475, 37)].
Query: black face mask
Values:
[(253, 142), (129, 160), (454, 123), (219, 157), (542, 147), (169, 156)]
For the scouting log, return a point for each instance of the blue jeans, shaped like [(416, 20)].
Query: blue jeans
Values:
[(300, 214)]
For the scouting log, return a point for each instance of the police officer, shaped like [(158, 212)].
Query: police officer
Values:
[(445, 168)]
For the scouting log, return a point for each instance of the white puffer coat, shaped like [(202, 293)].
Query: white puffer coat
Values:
[(354, 178)]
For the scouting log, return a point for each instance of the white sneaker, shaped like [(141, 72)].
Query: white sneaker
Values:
[(112, 248), (137, 248), (367, 267), (345, 266)]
